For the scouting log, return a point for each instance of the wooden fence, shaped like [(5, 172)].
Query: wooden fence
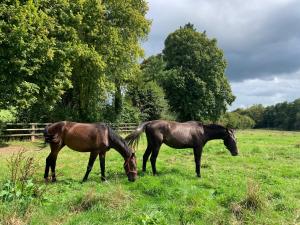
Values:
[(35, 130)]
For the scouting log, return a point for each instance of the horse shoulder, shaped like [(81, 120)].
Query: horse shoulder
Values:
[(102, 137)]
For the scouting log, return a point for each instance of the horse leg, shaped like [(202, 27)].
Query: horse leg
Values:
[(146, 156), (153, 157), (92, 159), (102, 166), (197, 156), (48, 163), (51, 161)]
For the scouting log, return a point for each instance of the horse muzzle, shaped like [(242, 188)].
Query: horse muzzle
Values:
[(234, 153), (131, 179)]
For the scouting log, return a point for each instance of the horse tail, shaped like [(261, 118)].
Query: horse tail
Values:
[(55, 133), (133, 138), (48, 137)]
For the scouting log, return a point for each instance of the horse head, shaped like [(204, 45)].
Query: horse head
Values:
[(131, 168), (230, 142)]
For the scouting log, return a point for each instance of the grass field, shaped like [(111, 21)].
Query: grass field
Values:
[(260, 186)]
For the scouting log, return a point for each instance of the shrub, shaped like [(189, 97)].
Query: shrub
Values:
[(20, 188), (237, 121), (6, 116)]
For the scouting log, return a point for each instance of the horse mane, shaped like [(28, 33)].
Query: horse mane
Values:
[(214, 126), (117, 141)]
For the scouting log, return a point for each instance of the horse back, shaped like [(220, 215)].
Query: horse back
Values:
[(86, 137), (82, 137), (175, 134)]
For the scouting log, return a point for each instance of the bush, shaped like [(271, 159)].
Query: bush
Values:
[(149, 98), (237, 121), (20, 189), (6, 116)]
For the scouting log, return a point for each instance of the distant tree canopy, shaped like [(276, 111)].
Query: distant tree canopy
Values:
[(285, 116), (196, 87), (68, 56), (236, 121)]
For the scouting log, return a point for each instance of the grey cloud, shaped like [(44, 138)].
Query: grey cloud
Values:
[(259, 38), (266, 91)]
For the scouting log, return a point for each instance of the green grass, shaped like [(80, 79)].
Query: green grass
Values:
[(260, 186)]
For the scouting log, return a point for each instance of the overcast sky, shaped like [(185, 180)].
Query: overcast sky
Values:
[(260, 39)]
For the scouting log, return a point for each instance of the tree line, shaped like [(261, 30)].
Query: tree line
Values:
[(81, 60), (283, 116)]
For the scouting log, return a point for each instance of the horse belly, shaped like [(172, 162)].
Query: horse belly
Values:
[(83, 144), (181, 142)]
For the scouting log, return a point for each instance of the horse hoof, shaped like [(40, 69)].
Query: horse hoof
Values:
[(103, 179), (53, 179), (46, 180)]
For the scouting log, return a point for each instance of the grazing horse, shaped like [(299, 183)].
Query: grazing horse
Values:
[(190, 134), (96, 138)]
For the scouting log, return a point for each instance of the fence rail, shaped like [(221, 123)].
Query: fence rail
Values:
[(35, 130)]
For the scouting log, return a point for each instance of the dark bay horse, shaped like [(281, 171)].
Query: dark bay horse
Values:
[(96, 138), (190, 134)]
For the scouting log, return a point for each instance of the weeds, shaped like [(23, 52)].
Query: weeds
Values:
[(253, 201), (85, 203), (20, 190), (153, 218)]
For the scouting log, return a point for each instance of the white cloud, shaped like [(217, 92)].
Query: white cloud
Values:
[(267, 92)]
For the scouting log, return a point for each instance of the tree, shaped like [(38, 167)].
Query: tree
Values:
[(154, 69), (237, 121), (68, 53), (255, 112), (34, 68), (149, 98), (196, 87)]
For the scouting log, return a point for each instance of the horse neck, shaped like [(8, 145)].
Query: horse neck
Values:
[(119, 144), (214, 133)]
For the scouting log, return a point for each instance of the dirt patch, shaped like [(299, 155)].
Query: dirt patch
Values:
[(10, 149)]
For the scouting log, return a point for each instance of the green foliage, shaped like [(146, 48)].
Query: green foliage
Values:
[(19, 189), (237, 121), (129, 114), (34, 67), (285, 116), (197, 88), (153, 218), (24, 192), (70, 53), (153, 69), (255, 112), (7, 116), (149, 98)]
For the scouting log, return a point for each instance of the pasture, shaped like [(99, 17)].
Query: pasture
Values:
[(260, 186)]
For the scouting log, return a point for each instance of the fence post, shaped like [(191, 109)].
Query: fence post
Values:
[(33, 126)]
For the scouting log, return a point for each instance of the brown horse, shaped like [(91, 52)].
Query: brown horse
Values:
[(190, 134), (96, 138)]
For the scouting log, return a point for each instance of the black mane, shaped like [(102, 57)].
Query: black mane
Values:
[(214, 126)]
